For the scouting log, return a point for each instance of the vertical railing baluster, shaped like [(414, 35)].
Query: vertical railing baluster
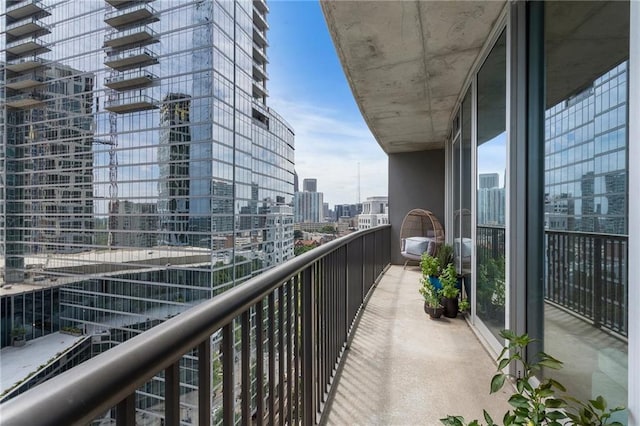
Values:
[(308, 347), (172, 394), (296, 350), (282, 327), (204, 383), (228, 385), (126, 411), (289, 344), (245, 354), (259, 364), (272, 361)]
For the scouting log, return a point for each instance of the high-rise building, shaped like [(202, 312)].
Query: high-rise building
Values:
[(308, 206), (310, 185), (488, 180), (375, 212), (142, 170)]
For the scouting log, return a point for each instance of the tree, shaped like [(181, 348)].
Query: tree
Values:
[(297, 234)]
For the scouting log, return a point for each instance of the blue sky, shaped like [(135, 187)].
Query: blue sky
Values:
[(309, 89)]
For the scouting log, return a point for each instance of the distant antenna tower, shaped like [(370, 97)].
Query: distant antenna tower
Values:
[(358, 182)]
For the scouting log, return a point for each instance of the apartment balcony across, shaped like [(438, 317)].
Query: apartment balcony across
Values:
[(139, 36), (259, 38), (24, 64), (125, 103), (26, 8), (139, 12), (259, 73), (25, 27), (259, 54), (129, 59), (130, 80), (259, 20), (261, 5), (121, 4), (259, 91), (27, 46), (25, 81), (25, 100)]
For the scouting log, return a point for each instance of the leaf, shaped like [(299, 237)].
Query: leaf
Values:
[(520, 385), (503, 363), (554, 364), (558, 385), (497, 382), (518, 401), (487, 418), (555, 403), (599, 403), (556, 415), (508, 418)]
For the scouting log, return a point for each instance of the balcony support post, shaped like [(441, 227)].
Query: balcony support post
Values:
[(172, 394), (228, 391), (126, 411)]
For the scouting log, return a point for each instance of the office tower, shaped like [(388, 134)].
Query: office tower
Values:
[(308, 206), (144, 170), (310, 185), (375, 212), (488, 180), (296, 187)]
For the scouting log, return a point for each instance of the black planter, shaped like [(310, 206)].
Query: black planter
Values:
[(450, 306), (433, 312)]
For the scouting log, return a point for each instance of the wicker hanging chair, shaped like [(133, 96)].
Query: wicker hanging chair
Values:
[(421, 232)]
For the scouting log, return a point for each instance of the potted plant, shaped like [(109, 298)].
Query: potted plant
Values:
[(450, 291), (18, 335), (434, 266), (431, 297)]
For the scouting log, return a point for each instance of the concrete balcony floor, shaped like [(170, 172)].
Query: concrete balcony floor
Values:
[(403, 368)]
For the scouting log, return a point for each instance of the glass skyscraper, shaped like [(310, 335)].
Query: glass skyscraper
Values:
[(141, 169)]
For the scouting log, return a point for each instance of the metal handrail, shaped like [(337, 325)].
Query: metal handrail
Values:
[(93, 387)]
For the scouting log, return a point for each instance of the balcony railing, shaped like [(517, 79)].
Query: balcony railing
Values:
[(587, 274), (304, 308)]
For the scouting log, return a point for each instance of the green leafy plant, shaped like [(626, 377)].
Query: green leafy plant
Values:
[(429, 293), (18, 332), (429, 265), (464, 305), (449, 279), (540, 405), (445, 255)]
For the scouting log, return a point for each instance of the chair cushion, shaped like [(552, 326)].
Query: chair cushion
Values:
[(418, 245)]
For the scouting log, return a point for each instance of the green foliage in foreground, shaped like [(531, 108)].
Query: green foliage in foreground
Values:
[(540, 405)]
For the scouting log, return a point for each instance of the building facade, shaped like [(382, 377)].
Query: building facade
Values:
[(142, 169), (375, 212)]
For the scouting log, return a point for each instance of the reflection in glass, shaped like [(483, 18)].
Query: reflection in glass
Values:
[(491, 176), (586, 195)]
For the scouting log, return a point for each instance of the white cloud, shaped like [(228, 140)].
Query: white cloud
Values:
[(329, 147)]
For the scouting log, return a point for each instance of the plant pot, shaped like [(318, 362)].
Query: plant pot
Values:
[(433, 312), (19, 342), (450, 305), (435, 282)]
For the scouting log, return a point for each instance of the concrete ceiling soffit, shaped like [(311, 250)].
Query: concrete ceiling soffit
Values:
[(406, 63)]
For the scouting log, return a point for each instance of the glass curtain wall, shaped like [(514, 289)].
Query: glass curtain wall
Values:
[(491, 180), (586, 197)]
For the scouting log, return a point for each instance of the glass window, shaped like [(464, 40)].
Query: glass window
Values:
[(491, 178), (585, 244)]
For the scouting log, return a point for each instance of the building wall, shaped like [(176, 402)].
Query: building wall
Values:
[(416, 180)]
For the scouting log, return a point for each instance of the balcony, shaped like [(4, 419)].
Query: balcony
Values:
[(30, 45), (259, 73), (24, 9), (259, 20), (261, 5), (25, 100), (259, 54), (121, 4), (142, 35), (25, 81), (259, 38), (28, 26), (140, 12), (129, 59), (130, 80), (24, 64), (259, 91), (132, 103)]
